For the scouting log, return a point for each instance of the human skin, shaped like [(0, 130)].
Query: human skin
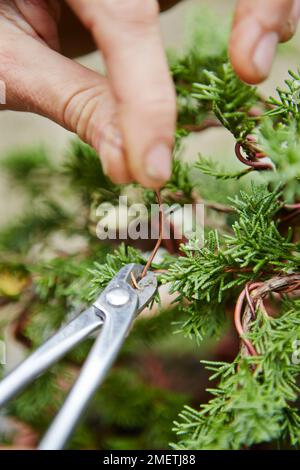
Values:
[(129, 116)]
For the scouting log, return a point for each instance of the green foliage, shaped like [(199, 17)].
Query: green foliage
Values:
[(208, 272), (30, 406), (280, 142), (103, 273), (135, 406), (287, 106), (210, 168), (67, 279), (33, 226), (230, 99), (28, 167), (180, 181), (257, 405), (205, 48), (85, 172), (251, 406), (256, 241), (201, 273), (203, 320)]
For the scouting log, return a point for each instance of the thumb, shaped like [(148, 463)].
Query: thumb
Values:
[(38, 79)]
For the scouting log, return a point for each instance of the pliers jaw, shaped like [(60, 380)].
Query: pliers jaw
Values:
[(121, 291)]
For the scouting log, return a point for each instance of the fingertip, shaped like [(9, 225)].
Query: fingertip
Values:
[(149, 140), (153, 167), (251, 50)]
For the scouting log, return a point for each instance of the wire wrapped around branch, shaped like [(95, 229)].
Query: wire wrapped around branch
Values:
[(253, 163), (254, 293)]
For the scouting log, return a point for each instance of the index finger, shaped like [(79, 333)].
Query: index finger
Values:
[(128, 33)]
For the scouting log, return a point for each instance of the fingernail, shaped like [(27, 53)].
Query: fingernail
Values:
[(158, 163), (264, 53)]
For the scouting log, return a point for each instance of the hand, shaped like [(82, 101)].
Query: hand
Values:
[(257, 28), (129, 118)]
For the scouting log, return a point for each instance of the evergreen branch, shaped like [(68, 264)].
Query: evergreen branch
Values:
[(102, 274), (26, 167), (180, 181), (251, 405), (230, 98), (255, 400), (47, 218), (203, 320), (206, 273), (287, 105)]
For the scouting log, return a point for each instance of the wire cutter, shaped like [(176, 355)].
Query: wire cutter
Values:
[(114, 310)]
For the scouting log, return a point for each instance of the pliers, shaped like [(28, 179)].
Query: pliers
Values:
[(114, 310)]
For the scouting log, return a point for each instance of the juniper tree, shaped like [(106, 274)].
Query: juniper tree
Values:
[(244, 278)]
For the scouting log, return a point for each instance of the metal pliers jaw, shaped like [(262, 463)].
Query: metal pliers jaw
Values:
[(115, 309)]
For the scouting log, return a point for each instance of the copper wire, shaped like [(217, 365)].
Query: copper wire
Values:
[(238, 313), (238, 323), (250, 300), (134, 281), (160, 237)]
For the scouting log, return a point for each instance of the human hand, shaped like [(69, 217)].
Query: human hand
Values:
[(257, 28), (128, 117)]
